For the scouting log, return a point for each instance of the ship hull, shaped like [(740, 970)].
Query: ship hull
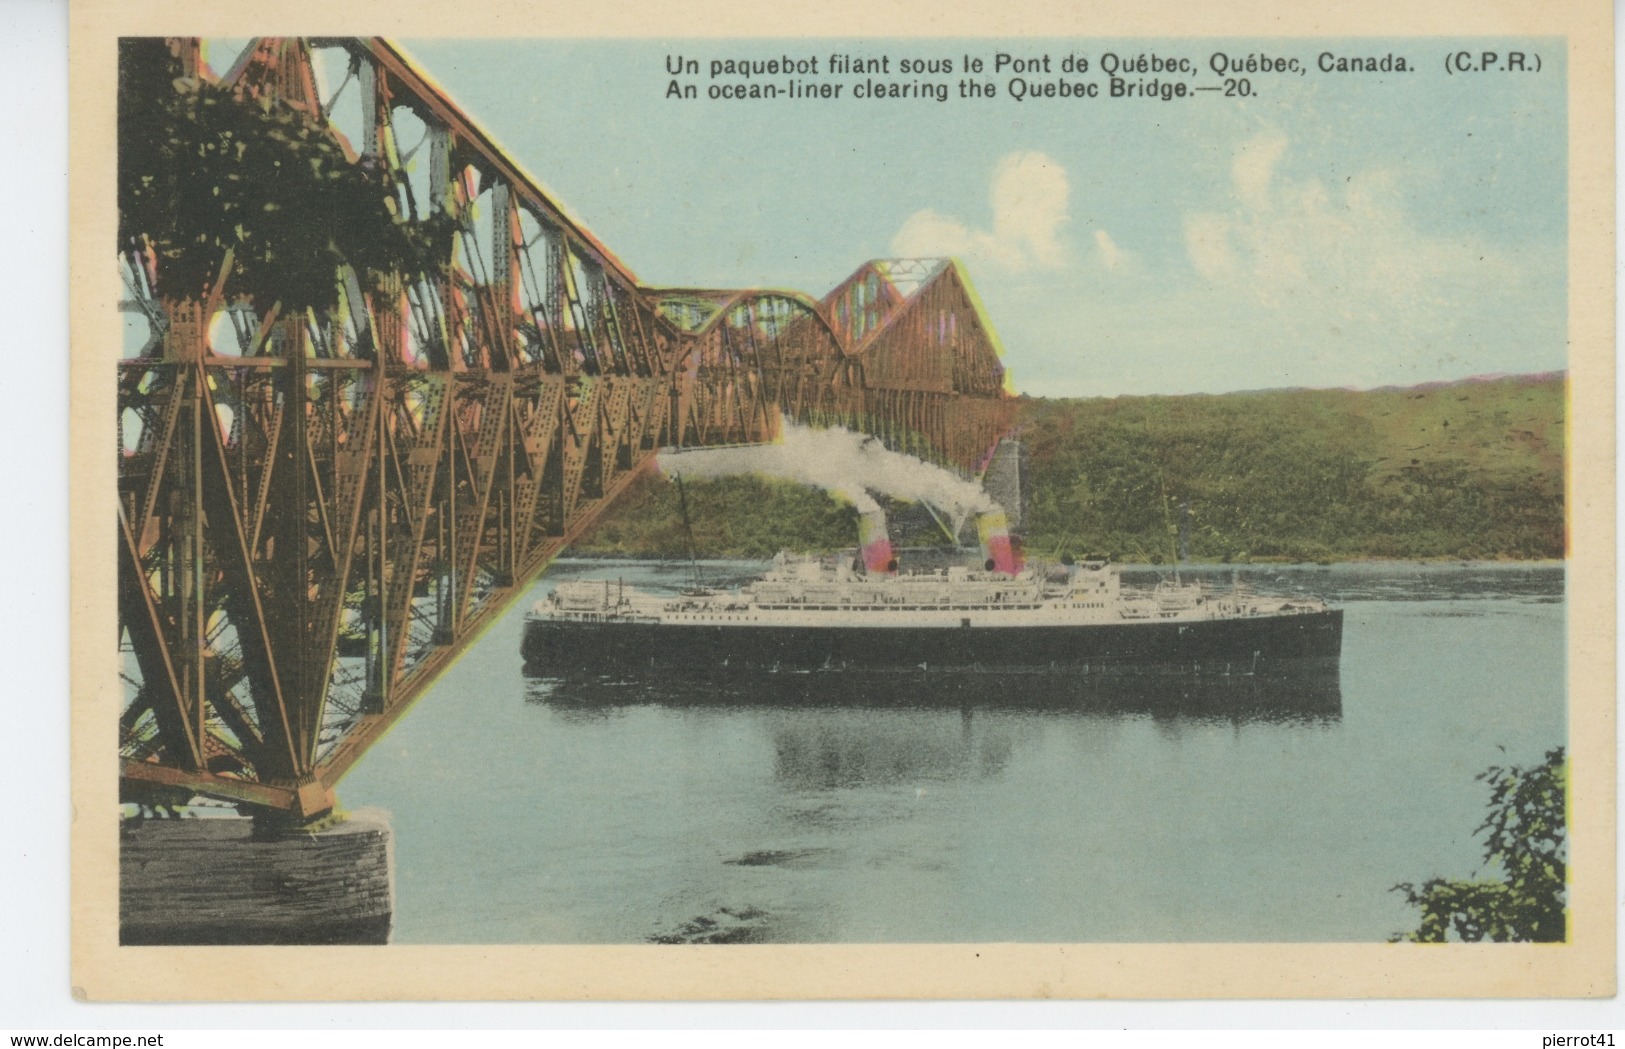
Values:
[(1250, 645)]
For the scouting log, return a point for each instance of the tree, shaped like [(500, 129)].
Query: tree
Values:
[(204, 170), (1526, 839)]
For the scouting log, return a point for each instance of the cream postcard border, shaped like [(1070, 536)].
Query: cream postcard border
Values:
[(1584, 967)]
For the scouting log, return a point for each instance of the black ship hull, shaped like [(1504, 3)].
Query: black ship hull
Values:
[(1252, 645), (1309, 692)]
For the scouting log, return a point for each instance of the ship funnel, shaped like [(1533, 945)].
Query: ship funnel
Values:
[(875, 543), (1003, 551)]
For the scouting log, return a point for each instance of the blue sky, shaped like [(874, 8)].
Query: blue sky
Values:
[(1333, 230)]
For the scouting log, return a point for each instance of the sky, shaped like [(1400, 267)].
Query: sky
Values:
[(1353, 230)]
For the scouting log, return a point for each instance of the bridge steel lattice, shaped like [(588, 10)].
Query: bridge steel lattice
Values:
[(322, 506)]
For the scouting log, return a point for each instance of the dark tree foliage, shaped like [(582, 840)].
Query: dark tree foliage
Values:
[(202, 170), (1525, 837), (745, 516)]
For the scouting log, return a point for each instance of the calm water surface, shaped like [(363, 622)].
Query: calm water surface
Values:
[(935, 808)]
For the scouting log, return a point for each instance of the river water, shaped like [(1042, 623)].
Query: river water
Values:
[(952, 808)]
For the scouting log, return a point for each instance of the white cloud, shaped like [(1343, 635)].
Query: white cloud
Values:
[(1328, 254), (1111, 256), (1029, 198), (1254, 167)]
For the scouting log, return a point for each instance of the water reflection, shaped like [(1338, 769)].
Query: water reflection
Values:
[(884, 747), (1311, 695)]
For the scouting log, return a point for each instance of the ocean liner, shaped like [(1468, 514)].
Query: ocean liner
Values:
[(828, 614)]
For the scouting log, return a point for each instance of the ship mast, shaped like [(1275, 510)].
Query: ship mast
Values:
[(1184, 530), (1177, 541), (688, 533)]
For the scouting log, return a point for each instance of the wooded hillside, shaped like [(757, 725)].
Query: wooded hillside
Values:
[(1470, 470)]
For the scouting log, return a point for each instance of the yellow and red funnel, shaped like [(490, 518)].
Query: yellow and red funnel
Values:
[(1001, 548), (875, 543)]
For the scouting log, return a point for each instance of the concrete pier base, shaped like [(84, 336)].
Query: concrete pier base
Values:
[(215, 881)]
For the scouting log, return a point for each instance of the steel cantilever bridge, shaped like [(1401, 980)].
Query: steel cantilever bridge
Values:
[(322, 506)]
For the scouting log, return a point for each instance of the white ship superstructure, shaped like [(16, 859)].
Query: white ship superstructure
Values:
[(817, 592)]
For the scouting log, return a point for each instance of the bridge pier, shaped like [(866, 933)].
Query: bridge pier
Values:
[(243, 880)]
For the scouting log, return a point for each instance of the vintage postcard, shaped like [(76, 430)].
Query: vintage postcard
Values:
[(710, 504)]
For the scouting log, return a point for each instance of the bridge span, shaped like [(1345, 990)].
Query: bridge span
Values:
[(375, 379)]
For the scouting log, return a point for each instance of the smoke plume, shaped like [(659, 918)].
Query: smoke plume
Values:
[(846, 464)]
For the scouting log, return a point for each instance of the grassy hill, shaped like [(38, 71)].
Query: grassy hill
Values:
[(1463, 470)]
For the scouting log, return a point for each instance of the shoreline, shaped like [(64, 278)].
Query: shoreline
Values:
[(1372, 562)]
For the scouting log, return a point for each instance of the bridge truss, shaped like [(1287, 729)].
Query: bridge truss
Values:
[(324, 500)]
